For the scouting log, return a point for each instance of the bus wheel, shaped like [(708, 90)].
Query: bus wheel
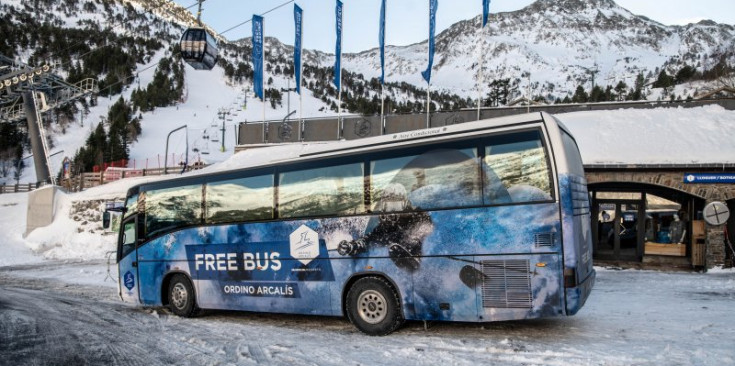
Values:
[(181, 296), (373, 306)]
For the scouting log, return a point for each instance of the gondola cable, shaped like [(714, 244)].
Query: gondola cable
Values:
[(227, 30)]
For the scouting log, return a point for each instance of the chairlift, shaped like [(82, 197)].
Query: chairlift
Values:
[(198, 47)]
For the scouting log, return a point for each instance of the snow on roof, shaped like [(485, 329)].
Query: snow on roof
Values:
[(701, 135)]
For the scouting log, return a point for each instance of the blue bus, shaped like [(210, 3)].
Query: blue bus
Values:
[(476, 222)]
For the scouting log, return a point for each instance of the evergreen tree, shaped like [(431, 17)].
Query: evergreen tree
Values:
[(664, 80), (580, 95)]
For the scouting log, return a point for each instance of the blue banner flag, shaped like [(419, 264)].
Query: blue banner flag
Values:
[(432, 27), (258, 56), (381, 41), (485, 11), (338, 46), (297, 19)]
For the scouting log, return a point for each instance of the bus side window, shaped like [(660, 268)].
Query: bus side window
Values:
[(516, 170), (322, 191), (439, 178), (171, 208), (244, 199), (128, 239)]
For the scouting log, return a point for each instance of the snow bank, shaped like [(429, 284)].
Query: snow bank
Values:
[(13, 249), (74, 235)]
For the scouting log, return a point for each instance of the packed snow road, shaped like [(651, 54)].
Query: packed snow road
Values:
[(631, 318)]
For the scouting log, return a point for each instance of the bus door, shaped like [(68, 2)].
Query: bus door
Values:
[(127, 255)]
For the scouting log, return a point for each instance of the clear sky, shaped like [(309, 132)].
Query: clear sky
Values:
[(406, 20)]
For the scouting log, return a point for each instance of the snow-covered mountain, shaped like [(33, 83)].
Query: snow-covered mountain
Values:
[(559, 43)]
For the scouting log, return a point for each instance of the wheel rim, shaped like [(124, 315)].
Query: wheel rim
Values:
[(372, 306), (179, 295)]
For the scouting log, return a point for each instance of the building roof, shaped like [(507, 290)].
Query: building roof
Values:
[(660, 136)]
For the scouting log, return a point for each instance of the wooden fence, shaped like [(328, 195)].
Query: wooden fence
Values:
[(18, 188), (89, 180)]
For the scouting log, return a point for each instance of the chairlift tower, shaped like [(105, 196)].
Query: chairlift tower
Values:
[(592, 71), (26, 92), (222, 114)]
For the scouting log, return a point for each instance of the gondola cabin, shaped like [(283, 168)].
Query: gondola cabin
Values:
[(199, 48)]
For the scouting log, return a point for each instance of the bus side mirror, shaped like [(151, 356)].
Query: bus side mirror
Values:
[(106, 220)]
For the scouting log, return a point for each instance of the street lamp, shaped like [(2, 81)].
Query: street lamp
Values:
[(165, 159)]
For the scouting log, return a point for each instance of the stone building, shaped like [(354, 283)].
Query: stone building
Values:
[(671, 200)]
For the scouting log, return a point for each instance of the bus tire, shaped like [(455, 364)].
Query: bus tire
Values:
[(181, 298), (374, 307)]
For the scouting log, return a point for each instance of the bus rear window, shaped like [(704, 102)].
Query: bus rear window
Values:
[(574, 159)]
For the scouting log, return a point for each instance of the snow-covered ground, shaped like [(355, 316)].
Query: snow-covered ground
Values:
[(68, 313), (59, 305)]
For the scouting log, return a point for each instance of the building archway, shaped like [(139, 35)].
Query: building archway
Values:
[(644, 222)]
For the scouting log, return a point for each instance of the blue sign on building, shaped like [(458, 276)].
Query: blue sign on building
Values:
[(709, 178)]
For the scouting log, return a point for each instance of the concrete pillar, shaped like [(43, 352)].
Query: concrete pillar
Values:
[(34, 134), (41, 208)]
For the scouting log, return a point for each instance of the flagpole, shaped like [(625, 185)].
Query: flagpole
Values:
[(339, 70), (481, 41), (428, 104), (433, 4), (301, 77), (381, 37), (382, 110), (339, 96), (479, 72), (262, 82)]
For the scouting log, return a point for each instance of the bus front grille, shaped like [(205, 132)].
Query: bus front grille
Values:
[(506, 284)]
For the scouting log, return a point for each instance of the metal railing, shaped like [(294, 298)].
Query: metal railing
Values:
[(355, 126)]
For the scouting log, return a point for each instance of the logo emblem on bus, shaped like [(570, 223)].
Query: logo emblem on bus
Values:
[(129, 280), (304, 244)]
